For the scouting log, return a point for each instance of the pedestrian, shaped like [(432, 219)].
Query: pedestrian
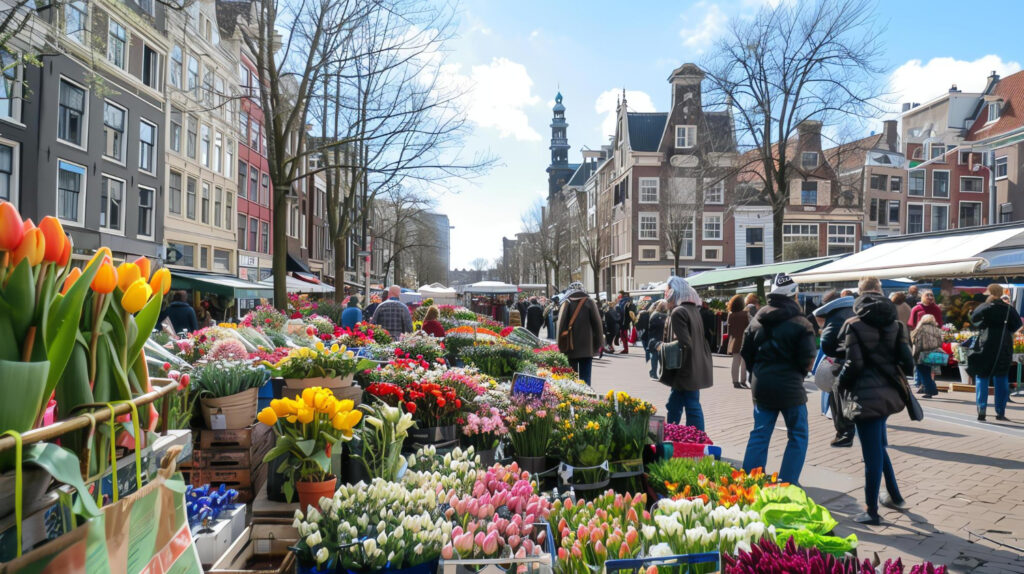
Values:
[(779, 347), (432, 323), (627, 317), (655, 334), (643, 323), (926, 338), (996, 323), (752, 304), (926, 306), (534, 316), (611, 326), (393, 315), (899, 299), (876, 356), (696, 370), (372, 307), (709, 320), (352, 313), (912, 297), (551, 317), (735, 325), (833, 315), (522, 305), (579, 330), (180, 314)]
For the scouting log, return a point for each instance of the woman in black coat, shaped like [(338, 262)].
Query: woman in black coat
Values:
[(996, 322)]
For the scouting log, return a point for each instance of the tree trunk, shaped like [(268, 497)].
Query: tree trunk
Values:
[(597, 278), (340, 259), (778, 218), (280, 247)]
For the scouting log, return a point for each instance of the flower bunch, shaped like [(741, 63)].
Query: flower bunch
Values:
[(383, 432), (505, 332), (767, 556), (299, 303), (530, 420), (402, 370), (469, 384), (499, 359), (434, 405), (390, 394), (549, 358), (319, 361), (182, 403), (474, 332), (485, 427), (225, 378), (456, 472), (371, 331), (631, 425), (269, 356), (422, 347), (586, 440), (265, 317), (495, 538), (709, 480), (588, 534), (227, 350), (456, 312), (323, 325), (691, 527), (687, 434), (353, 338)]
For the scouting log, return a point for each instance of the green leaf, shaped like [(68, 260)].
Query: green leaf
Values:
[(7, 352), (306, 446), (120, 377), (322, 460), (145, 321), (63, 465), (283, 446), (21, 296), (288, 489), (62, 325)]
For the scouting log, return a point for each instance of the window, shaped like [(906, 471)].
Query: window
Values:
[(970, 213), (193, 76), (8, 177), (241, 230), (685, 226), (940, 184), (174, 193), (254, 135), (648, 226), (10, 86), (218, 202), (71, 111), (190, 198), (648, 190), (894, 211), (117, 40), (712, 227), (809, 193), (649, 253), (940, 217), (842, 238), (993, 111), (150, 67), (229, 157), (896, 184), (181, 254), (243, 174), (972, 184), (916, 183), (715, 194), (265, 190), (145, 212), (222, 260), (218, 92), (937, 150), (253, 232), (70, 192), (915, 218), (243, 126), (208, 86), (254, 178), (74, 20), (146, 6), (809, 159), (147, 147), (964, 158), (112, 204), (218, 147), (792, 232), (175, 133), (176, 66), (190, 141), (204, 208), (229, 210), (1001, 167), (1005, 212), (204, 145), (873, 210), (878, 182), (113, 132), (712, 254), (265, 232), (204, 257), (686, 136)]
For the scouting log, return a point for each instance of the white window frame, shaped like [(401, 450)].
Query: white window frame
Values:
[(993, 116), (715, 194), (84, 129), (204, 145), (654, 248), (192, 80), (963, 157), (949, 183), (180, 129), (959, 213), (889, 205), (80, 222), (912, 205), (801, 233), (217, 162), (152, 148), (972, 177), (177, 64), (686, 136), (817, 188), (15, 178), (643, 234), (1006, 164), (111, 23), (714, 248), (205, 189), (931, 216), (181, 193), (124, 133), (646, 184), (708, 219), (832, 235), (124, 201), (897, 179), (82, 8), (803, 159), (17, 85), (152, 212), (941, 157)]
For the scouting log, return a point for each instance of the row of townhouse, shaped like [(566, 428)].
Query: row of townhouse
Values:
[(141, 129), (674, 181)]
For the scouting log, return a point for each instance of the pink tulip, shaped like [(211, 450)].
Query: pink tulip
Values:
[(514, 540), (521, 553), (446, 551), (576, 552), (457, 531), (464, 544), (478, 540), (632, 536), (513, 529), (600, 550), (563, 554), (490, 545), (624, 551), (595, 536)]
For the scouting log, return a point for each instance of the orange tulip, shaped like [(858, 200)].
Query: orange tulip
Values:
[(10, 227), (70, 280), (127, 273), (101, 253), (105, 279), (161, 281), (55, 238), (144, 268), (65, 255), (33, 246)]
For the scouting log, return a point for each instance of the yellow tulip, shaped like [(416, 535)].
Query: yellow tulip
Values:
[(334, 348), (267, 416), (136, 295), (292, 419), (347, 405), (305, 415), (320, 346), (309, 395), (127, 273), (322, 402), (280, 407)]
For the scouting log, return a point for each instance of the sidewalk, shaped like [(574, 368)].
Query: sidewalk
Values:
[(959, 476)]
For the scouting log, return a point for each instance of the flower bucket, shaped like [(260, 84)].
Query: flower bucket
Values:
[(487, 457), (310, 493), (964, 377), (233, 412)]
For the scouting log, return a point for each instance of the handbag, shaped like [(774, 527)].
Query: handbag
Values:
[(824, 378), (670, 355), (937, 358)]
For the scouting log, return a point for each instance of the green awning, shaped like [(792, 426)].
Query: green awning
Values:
[(224, 285), (754, 272)]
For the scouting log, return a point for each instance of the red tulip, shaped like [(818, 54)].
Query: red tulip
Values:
[(11, 230), (55, 238)]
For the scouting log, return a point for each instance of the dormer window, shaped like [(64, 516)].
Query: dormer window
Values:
[(936, 150), (809, 159), (993, 111), (686, 136)]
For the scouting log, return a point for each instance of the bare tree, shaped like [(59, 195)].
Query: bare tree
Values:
[(479, 264), (403, 208), (592, 238), (809, 59), (546, 239)]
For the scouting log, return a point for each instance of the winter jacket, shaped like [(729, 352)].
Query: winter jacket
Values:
[(656, 327), (643, 323), (996, 322), (779, 348), (835, 313), (927, 337), (735, 325), (695, 372), (611, 322), (182, 316), (585, 336), (434, 328), (534, 318), (921, 310), (877, 357), (708, 318), (903, 312)]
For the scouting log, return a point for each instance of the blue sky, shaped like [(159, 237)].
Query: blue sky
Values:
[(516, 55)]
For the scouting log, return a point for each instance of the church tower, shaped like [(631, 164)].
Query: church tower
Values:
[(559, 171)]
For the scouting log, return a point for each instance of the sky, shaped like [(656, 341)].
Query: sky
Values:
[(516, 56)]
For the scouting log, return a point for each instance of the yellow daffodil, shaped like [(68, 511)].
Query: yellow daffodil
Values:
[(334, 348), (320, 346), (267, 416)]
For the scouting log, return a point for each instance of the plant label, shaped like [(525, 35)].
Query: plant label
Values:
[(218, 422)]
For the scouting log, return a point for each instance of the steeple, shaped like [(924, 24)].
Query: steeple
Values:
[(559, 171)]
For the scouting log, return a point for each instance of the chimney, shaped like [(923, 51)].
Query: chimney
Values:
[(953, 89), (809, 133), (890, 138)]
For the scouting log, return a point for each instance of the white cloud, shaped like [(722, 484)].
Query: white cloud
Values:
[(534, 34), (636, 101), (920, 82), (706, 22), (496, 96)]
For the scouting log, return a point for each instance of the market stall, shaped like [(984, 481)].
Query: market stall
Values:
[(296, 285), (227, 296), (439, 293), (490, 298)]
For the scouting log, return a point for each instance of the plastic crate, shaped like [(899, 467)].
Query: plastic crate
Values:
[(691, 450), (681, 563)]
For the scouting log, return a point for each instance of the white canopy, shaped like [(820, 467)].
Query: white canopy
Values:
[(299, 286), (946, 254), (435, 289), (489, 287)]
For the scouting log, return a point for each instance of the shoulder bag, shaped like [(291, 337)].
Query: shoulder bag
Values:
[(565, 338), (670, 354)]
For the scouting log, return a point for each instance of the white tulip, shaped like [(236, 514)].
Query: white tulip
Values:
[(322, 555)]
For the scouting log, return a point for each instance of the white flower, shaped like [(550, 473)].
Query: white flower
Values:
[(370, 546), (660, 550), (314, 515), (418, 549), (298, 515), (649, 532), (382, 539), (313, 539), (322, 555)]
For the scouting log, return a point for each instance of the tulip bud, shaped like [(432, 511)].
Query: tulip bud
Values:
[(144, 267), (136, 296), (11, 230), (127, 273), (73, 276), (55, 238), (105, 279), (32, 247), (101, 254), (161, 281)]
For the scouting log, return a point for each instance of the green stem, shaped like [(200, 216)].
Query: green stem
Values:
[(97, 303), (30, 340)]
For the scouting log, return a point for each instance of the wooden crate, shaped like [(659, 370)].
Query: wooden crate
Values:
[(233, 459), (253, 438), (238, 479)]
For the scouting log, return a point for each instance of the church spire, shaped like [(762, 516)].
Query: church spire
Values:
[(559, 170)]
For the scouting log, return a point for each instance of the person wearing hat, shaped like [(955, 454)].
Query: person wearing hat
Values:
[(779, 349), (696, 370)]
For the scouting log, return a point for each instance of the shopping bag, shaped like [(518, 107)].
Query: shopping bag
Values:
[(146, 532)]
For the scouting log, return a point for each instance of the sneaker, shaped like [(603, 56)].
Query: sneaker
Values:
[(981, 417), (744, 385), (927, 396), (841, 441), (887, 501), (866, 518), (1002, 418)]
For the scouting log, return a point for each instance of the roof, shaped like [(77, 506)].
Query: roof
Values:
[(645, 130), (751, 273), (852, 155), (226, 285), (1011, 91), (720, 126), (228, 12), (582, 174)]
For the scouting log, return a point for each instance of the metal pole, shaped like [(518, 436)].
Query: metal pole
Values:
[(991, 186)]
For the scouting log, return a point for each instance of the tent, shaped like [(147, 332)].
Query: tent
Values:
[(294, 285), (439, 293), (752, 273), (224, 285), (489, 288)]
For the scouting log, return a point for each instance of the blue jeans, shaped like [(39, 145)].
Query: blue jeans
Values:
[(1002, 385), (583, 368), (761, 436), (689, 400), (655, 357), (926, 380), (873, 441)]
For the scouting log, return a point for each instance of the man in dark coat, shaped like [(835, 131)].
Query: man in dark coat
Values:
[(181, 314), (779, 348), (627, 315), (579, 330), (707, 317), (834, 314), (996, 322), (534, 316)]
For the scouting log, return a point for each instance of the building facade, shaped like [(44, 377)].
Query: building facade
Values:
[(255, 218)]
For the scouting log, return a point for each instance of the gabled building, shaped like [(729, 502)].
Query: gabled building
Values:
[(998, 129)]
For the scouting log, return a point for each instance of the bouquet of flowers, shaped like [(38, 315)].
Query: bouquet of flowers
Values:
[(224, 378), (588, 534), (422, 347), (401, 370), (709, 480), (265, 317), (469, 384), (693, 526), (631, 425), (687, 434), (456, 472), (323, 326), (586, 443), (530, 420), (353, 338), (382, 434), (484, 428), (549, 358), (320, 361), (299, 305), (499, 360), (432, 405)]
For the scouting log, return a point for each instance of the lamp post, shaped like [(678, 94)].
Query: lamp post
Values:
[(366, 267), (991, 186)]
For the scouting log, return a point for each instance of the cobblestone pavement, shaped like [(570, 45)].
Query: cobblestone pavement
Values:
[(961, 478)]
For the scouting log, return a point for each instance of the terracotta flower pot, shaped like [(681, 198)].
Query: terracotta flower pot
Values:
[(239, 410), (310, 493)]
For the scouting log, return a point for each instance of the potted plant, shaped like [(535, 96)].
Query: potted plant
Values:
[(381, 436), (530, 420), (586, 440), (483, 430), (331, 367), (306, 428), (228, 389), (435, 408)]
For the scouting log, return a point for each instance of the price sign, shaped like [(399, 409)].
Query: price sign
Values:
[(523, 384)]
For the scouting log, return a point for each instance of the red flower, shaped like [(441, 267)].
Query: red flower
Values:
[(296, 315), (441, 402), (410, 408)]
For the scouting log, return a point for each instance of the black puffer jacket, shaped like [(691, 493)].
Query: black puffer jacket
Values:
[(835, 313), (779, 348), (996, 322), (877, 356), (656, 327)]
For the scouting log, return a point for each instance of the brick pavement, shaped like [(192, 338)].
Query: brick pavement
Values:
[(957, 475)]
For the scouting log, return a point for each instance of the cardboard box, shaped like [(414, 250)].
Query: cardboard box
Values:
[(260, 549), (212, 542)]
